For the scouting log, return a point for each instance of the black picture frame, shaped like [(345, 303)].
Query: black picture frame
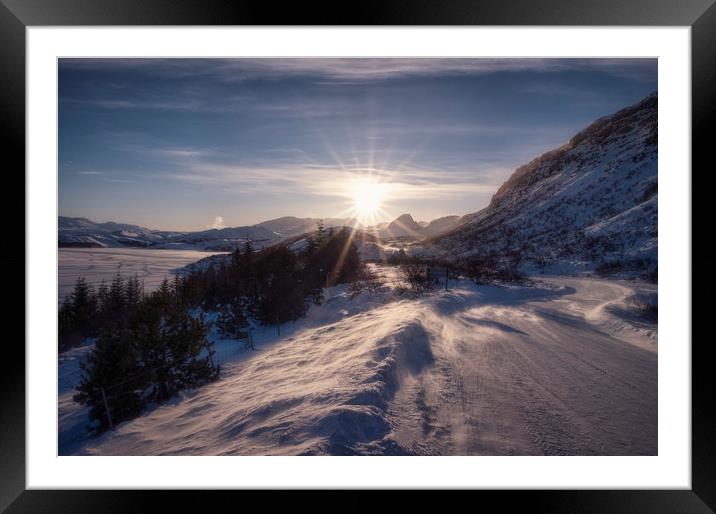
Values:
[(16, 15)]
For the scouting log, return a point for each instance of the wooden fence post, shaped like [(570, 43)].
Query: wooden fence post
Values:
[(106, 407), (208, 351)]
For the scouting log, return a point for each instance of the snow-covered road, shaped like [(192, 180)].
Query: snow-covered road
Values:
[(565, 367), (535, 376)]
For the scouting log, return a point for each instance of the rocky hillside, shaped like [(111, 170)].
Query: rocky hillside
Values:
[(590, 204), (440, 225)]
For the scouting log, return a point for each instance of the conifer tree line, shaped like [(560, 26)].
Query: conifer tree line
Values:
[(274, 285), (149, 347)]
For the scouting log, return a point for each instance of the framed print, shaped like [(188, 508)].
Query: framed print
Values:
[(418, 248)]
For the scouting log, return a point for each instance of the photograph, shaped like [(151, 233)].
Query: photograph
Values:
[(333, 256)]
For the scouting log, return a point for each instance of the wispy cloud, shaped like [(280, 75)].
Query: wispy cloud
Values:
[(356, 70), (335, 181), (152, 104)]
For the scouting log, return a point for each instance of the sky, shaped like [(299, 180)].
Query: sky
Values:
[(190, 144)]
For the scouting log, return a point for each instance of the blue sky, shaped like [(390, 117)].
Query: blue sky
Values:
[(186, 144)]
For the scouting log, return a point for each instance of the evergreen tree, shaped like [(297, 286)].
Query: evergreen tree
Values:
[(171, 344), (311, 246), (84, 307), (177, 288), (163, 298), (157, 353), (344, 261), (133, 292), (116, 300), (320, 235), (112, 373), (233, 324), (248, 250), (248, 279), (102, 295), (76, 317), (281, 295), (65, 325)]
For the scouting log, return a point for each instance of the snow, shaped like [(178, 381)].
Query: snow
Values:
[(564, 366), (96, 264), (73, 418)]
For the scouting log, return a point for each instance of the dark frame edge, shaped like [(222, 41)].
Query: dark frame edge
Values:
[(12, 380), (703, 118)]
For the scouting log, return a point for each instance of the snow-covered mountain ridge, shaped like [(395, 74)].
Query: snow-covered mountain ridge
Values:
[(81, 232), (589, 203), (84, 233)]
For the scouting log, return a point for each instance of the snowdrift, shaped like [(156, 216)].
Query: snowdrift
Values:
[(469, 371)]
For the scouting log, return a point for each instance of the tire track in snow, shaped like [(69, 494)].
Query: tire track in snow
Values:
[(540, 378)]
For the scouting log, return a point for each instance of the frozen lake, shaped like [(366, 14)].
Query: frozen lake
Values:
[(96, 264)]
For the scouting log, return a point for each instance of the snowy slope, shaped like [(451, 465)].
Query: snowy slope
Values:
[(590, 202), (481, 370), (439, 225)]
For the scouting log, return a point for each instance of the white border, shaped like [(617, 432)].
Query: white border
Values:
[(672, 466)]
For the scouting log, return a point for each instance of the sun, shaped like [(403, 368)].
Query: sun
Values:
[(368, 197)]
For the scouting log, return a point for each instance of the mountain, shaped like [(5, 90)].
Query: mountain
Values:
[(403, 226), (81, 232), (440, 225), (222, 239), (84, 233), (290, 226), (589, 204)]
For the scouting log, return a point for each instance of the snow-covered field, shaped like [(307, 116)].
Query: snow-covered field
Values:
[(96, 264), (567, 366)]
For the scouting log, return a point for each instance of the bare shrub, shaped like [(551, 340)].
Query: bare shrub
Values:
[(488, 270), (365, 280), (417, 276)]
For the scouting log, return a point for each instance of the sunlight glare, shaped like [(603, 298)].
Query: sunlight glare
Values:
[(368, 196)]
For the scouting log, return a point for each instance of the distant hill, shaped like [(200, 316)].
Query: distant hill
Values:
[(290, 226), (81, 232), (84, 233)]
